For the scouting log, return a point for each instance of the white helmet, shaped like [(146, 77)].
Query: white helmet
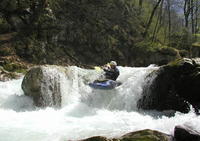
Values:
[(113, 63)]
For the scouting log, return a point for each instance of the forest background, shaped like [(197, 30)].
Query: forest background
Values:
[(93, 32)]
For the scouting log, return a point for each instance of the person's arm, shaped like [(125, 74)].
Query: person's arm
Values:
[(106, 67), (108, 70)]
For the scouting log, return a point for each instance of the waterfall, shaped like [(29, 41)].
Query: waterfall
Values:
[(75, 89), (124, 97)]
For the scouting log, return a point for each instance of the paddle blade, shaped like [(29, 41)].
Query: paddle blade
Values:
[(97, 68)]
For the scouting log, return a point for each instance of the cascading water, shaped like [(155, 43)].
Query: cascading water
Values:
[(84, 112)]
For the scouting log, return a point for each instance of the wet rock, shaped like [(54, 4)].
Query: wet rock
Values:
[(43, 84), (150, 135), (97, 138), (143, 135), (183, 133), (175, 87)]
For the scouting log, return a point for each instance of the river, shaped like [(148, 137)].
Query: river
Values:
[(85, 112)]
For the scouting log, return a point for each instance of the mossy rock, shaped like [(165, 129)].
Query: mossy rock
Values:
[(142, 135), (145, 135), (168, 51), (44, 84), (186, 62)]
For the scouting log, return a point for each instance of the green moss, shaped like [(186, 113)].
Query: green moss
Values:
[(14, 67), (24, 71), (175, 63), (142, 138), (145, 135), (168, 51), (8, 67)]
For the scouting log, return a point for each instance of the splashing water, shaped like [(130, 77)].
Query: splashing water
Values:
[(85, 112)]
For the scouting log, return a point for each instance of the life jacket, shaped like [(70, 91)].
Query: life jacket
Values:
[(111, 73)]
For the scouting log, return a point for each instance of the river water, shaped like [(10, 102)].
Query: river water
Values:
[(85, 112)]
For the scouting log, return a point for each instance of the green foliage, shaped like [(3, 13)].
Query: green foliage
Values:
[(182, 40), (168, 51), (30, 49), (147, 46)]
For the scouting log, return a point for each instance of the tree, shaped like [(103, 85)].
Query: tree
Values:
[(25, 13), (159, 21), (169, 19), (140, 3), (151, 18), (196, 16), (192, 16), (187, 12)]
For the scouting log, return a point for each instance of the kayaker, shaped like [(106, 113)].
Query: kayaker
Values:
[(109, 79), (111, 71)]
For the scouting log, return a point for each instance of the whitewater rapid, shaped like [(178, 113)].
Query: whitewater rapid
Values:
[(85, 112)]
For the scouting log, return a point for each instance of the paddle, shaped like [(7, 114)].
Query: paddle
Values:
[(97, 68)]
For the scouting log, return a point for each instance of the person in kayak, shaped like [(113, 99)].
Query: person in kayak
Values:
[(111, 71), (109, 78)]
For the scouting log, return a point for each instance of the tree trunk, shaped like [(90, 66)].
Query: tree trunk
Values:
[(159, 20), (187, 11), (192, 16), (140, 3), (151, 18), (196, 16), (169, 19)]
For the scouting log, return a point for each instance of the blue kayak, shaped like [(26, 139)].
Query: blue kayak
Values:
[(105, 85)]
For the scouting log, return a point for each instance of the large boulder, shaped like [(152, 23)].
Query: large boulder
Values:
[(174, 87), (44, 83), (142, 135), (184, 133)]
